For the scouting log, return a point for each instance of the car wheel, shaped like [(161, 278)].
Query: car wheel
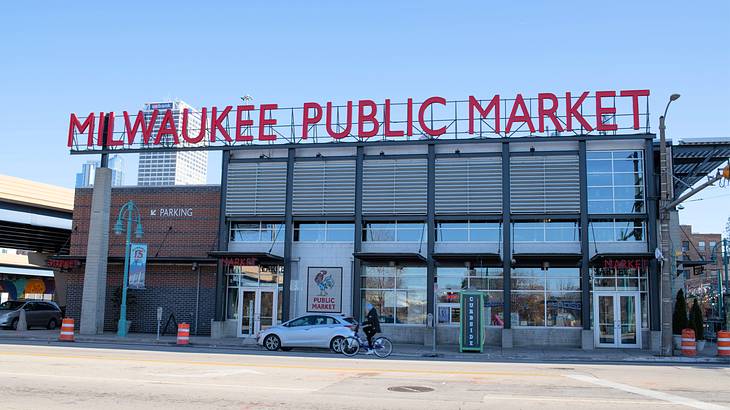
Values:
[(14, 324), (336, 344), (52, 324), (272, 342)]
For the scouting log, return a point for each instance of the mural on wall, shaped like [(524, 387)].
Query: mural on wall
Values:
[(18, 288)]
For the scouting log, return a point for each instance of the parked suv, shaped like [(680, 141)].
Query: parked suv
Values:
[(38, 313)]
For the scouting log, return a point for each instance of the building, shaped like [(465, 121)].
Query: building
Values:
[(85, 178), (172, 167), (548, 229), (558, 232), (701, 265)]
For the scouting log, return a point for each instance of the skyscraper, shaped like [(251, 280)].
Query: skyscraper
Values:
[(177, 167), (85, 178)]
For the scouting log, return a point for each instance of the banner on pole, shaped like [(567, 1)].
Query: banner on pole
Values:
[(137, 265)]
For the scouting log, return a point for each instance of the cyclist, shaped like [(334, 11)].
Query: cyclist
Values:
[(371, 325)]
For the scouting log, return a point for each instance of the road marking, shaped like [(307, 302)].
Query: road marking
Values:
[(154, 381), (684, 401), (489, 398), (351, 369)]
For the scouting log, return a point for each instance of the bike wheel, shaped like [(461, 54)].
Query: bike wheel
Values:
[(382, 347), (350, 346)]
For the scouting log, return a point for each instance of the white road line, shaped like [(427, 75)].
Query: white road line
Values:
[(489, 398), (684, 401)]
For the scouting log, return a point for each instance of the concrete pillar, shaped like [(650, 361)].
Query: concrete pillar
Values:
[(507, 342), (587, 342), (97, 251)]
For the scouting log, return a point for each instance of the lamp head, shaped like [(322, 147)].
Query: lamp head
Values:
[(673, 97), (138, 232), (118, 227)]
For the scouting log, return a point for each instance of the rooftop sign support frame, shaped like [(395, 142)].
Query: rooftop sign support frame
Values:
[(609, 113)]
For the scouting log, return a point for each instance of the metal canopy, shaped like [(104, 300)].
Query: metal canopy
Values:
[(694, 159)]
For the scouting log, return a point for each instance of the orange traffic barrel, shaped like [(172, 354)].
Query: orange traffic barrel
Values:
[(723, 343), (183, 334), (67, 330), (689, 344)]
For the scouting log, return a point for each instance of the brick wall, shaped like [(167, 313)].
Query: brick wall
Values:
[(172, 286), (166, 235)]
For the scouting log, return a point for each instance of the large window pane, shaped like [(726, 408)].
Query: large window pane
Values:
[(383, 301), (528, 308), (494, 302), (563, 309), (411, 307)]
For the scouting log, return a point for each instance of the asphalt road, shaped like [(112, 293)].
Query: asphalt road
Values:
[(37, 377)]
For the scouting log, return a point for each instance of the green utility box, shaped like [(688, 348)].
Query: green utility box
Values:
[(471, 322)]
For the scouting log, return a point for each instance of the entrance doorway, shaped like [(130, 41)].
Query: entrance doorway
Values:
[(257, 310), (616, 319)]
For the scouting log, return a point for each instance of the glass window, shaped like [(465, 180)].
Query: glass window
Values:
[(546, 297), (469, 231), (395, 232), (397, 292), (614, 230), (257, 232), (615, 182), (324, 232), (452, 280), (701, 245), (552, 231)]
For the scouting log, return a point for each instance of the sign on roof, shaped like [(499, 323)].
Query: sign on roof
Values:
[(548, 114)]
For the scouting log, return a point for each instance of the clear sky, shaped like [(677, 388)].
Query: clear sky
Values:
[(63, 57)]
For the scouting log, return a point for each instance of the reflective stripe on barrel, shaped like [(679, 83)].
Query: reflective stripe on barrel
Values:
[(689, 345), (67, 330), (183, 333), (723, 343)]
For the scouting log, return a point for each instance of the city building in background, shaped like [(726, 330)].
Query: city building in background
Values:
[(85, 178), (702, 267), (172, 167)]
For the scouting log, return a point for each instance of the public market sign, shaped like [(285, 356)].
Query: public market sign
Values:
[(547, 114)]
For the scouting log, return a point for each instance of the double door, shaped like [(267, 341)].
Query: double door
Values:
[(257, 310), (616, 319)]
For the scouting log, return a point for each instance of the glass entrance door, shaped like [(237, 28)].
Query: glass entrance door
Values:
[(616, 319), (257, 310)]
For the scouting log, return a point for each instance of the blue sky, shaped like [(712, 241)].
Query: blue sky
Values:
[(63, 57)]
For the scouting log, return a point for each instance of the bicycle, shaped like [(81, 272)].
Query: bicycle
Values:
[(382, 346)]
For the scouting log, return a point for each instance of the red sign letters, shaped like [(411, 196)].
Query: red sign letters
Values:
[(583, 112)]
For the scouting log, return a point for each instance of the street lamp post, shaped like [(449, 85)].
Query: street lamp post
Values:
[(664, 213), (127, 210)]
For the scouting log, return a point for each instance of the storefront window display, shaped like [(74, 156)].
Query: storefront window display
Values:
[(546, 297), (452, 280), (397, 292)]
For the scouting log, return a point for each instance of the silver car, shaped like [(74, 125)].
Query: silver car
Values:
[(38, 313), (322, 330)]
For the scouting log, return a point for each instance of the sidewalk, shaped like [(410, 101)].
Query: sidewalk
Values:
[(402, 351)]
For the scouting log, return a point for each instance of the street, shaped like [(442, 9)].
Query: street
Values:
[(36, 376)]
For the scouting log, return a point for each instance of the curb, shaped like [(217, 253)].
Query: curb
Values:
[(415, 355)]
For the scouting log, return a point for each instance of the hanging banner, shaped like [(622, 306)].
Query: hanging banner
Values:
[(324, 290), (137, 265)]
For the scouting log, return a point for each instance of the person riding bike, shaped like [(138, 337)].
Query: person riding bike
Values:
[(371, 325)]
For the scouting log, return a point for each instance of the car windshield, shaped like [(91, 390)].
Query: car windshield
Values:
[(11, 305)]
